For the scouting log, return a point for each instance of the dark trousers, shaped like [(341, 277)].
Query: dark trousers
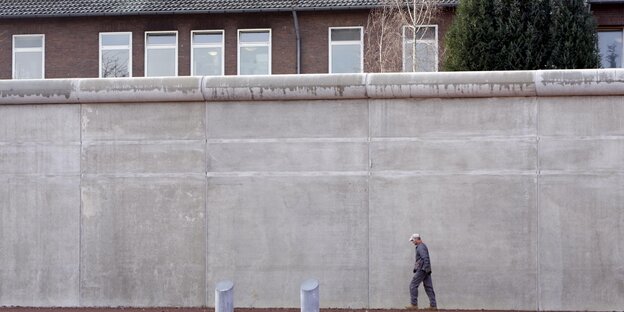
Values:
[(425, 278)]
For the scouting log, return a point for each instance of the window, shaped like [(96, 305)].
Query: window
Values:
[(115, 54), (254, 52), (207, 53), (28, 56), (420, 48), (161, 53), (610, 46), (345, 50)]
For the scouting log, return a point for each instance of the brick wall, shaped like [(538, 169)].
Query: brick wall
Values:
[(609, 15), (72, 48)]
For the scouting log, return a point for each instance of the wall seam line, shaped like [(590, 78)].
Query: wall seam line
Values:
[(205, 199), (368, 206), (80, 210), (537, 201), (201, 91)]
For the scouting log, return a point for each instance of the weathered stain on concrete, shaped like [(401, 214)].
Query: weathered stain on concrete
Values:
[(284, 87), (318, 86), (580, 82), (38, 91), (149, 89)]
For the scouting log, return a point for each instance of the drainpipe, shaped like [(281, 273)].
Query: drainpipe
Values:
[(298, 40)]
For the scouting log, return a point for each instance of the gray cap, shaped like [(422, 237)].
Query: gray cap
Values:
[(414, 237)]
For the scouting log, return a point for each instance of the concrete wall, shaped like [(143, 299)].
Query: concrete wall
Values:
[(146, 192)]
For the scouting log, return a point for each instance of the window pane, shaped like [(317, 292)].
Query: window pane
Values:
[(610, 45), (345, 34), (207, 61), (161, 39), (29, 42), (160, 62), (425, 58), (115, 63), (425, 33), (207, 38), (254, 60), (346, 58), (28, 65), (254, 36), (115, 39)]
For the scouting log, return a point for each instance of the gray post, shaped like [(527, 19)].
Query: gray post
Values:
[(224, 297), (310, 296)]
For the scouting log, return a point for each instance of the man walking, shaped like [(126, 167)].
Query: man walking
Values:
[(422, 274)]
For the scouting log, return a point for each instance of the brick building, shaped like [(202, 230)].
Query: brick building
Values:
[(136, 38), (610, 17)]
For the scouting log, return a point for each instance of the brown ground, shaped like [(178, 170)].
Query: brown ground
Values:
[(11, 309)]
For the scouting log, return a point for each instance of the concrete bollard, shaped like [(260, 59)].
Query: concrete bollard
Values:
[(224, 297), (310, 296)]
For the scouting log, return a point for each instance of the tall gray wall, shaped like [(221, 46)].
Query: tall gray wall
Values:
[(146, 192)]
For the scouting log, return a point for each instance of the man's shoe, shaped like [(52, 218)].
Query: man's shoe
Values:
[(433, 308), (412, 307)]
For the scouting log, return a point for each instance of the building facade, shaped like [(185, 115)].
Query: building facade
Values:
[(51, 39), (610, 17)]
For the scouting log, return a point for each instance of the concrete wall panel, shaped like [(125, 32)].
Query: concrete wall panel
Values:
[(581, 116), (39, 241), (580, 237), (143, 242), (163, 157), (296, 119), (594, 154), (40, 159), (146, 121), (453, 117), (39, 123), (481, 234), (284, 156), (268, 234), (455, 155)]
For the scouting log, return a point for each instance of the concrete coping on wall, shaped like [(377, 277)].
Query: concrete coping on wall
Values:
[(316, 87)]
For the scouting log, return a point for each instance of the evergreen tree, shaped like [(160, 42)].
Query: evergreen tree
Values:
[(521, 35), (573, 36)]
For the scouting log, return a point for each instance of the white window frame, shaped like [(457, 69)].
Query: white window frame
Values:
[(239, 46), (146, 48), (351, 42), (437, 44), (42, 50), (613, 29), (209, 45), (118, 47)]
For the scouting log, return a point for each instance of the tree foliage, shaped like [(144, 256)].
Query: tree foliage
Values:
[(522, 35)]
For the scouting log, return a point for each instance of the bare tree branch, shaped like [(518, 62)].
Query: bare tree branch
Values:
[(385, 32), (114, 67)]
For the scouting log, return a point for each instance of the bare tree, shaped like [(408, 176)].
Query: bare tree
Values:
[(387, 27), (3, 34)]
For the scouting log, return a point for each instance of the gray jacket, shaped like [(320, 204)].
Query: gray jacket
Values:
[(422, 259)]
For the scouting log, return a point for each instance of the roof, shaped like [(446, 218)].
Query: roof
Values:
[(605, 1), (62, 8)]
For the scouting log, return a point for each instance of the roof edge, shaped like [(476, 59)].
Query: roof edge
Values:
[(605, 1), (188, 12)]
